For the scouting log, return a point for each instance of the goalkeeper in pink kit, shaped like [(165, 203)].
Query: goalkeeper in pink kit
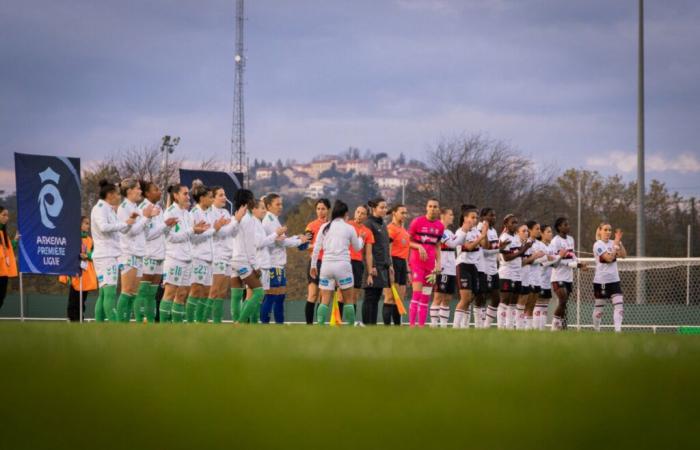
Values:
[(425, 232)]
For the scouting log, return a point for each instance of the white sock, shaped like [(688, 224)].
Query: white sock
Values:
[(434, 316), (598, 314), (480, 316), (520, 317), (528, 322), (502, 315), (491, 316), (512, 315), (444, 316), (540, 318), (617, 312), (556, 323), (457, 321), (466, 318)]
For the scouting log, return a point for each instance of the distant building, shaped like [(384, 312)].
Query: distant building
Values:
[(321, 188), (297, 177), (320, 166), (360, 166), (384, 164), (263, 173)]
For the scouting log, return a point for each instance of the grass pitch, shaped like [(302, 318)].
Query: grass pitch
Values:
[(116, 386)]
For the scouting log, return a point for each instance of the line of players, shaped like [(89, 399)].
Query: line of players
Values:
[(205, 254)]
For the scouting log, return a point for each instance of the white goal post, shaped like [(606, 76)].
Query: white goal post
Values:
[(660, 294)]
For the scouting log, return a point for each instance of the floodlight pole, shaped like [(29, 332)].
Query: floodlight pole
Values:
[(641, 251)]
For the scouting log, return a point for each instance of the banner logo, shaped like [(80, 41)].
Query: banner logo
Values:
[(50, 201)]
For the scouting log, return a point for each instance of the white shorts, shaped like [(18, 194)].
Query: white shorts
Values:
[(201, 272), (107, 270), (177, 273), (128, 262), (221, 268), (241, 272), (265, 279), (333, 272), (152, 266)]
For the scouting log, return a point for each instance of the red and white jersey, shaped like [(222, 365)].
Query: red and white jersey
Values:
[(539, 272), (448, 254), (605, 272), (563, 270), (489, 255), (474, 256), (510, 270)]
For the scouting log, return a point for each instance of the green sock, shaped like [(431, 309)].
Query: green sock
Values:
[(248, 312), (201, 308), (191, 309), (349, 314), (236, 296), (143, 292), (178, 312), (217, 309), (207, 309), (124, 307), (166, 311), (149, 304), (322, 314), (109, 302), (256, 316), (99, 309)]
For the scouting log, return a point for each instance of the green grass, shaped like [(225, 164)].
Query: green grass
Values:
[(184, 387)]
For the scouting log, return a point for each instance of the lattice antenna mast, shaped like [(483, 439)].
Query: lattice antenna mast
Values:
[(239, 160)]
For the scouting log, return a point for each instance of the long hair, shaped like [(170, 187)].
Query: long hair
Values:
[(172, 190), (126, 184), (243, 197), (106, 188), (3, 231), (340, 209), (599, 231), (374, 203), (558, 223), (199, 190)]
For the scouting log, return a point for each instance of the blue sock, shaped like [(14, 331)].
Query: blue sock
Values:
[(279, 308), (266, 308)]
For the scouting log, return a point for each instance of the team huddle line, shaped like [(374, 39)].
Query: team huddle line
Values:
[(202, 255)]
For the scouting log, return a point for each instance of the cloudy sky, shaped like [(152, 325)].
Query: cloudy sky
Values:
[(556, 79)]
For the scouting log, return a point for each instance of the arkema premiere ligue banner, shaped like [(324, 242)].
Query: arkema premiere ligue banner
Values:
[(48, 213)]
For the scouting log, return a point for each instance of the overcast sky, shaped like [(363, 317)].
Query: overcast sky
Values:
[(556, 79)]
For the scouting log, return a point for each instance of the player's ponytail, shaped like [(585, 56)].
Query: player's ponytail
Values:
[(340, 209), (199, 190)]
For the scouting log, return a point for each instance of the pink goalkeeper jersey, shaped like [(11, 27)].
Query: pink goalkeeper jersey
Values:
[(428, 233)]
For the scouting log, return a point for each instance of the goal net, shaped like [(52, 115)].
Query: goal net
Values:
[(661, 295)]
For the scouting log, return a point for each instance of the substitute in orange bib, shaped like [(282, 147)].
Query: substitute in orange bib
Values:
[(89, 278), (8, 263)]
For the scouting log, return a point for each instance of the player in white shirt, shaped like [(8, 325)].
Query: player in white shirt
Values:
[(510, 271), (198, 306), (155, 252), (132, 245), (106, 229), (531, 279), (264, 241), (469, 262), (563, 272), (177, 268), (244, 265), (225, 227), (489, 282), (606, 281), (335, 238), (446, 280), (545, 275), (274, 299)]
